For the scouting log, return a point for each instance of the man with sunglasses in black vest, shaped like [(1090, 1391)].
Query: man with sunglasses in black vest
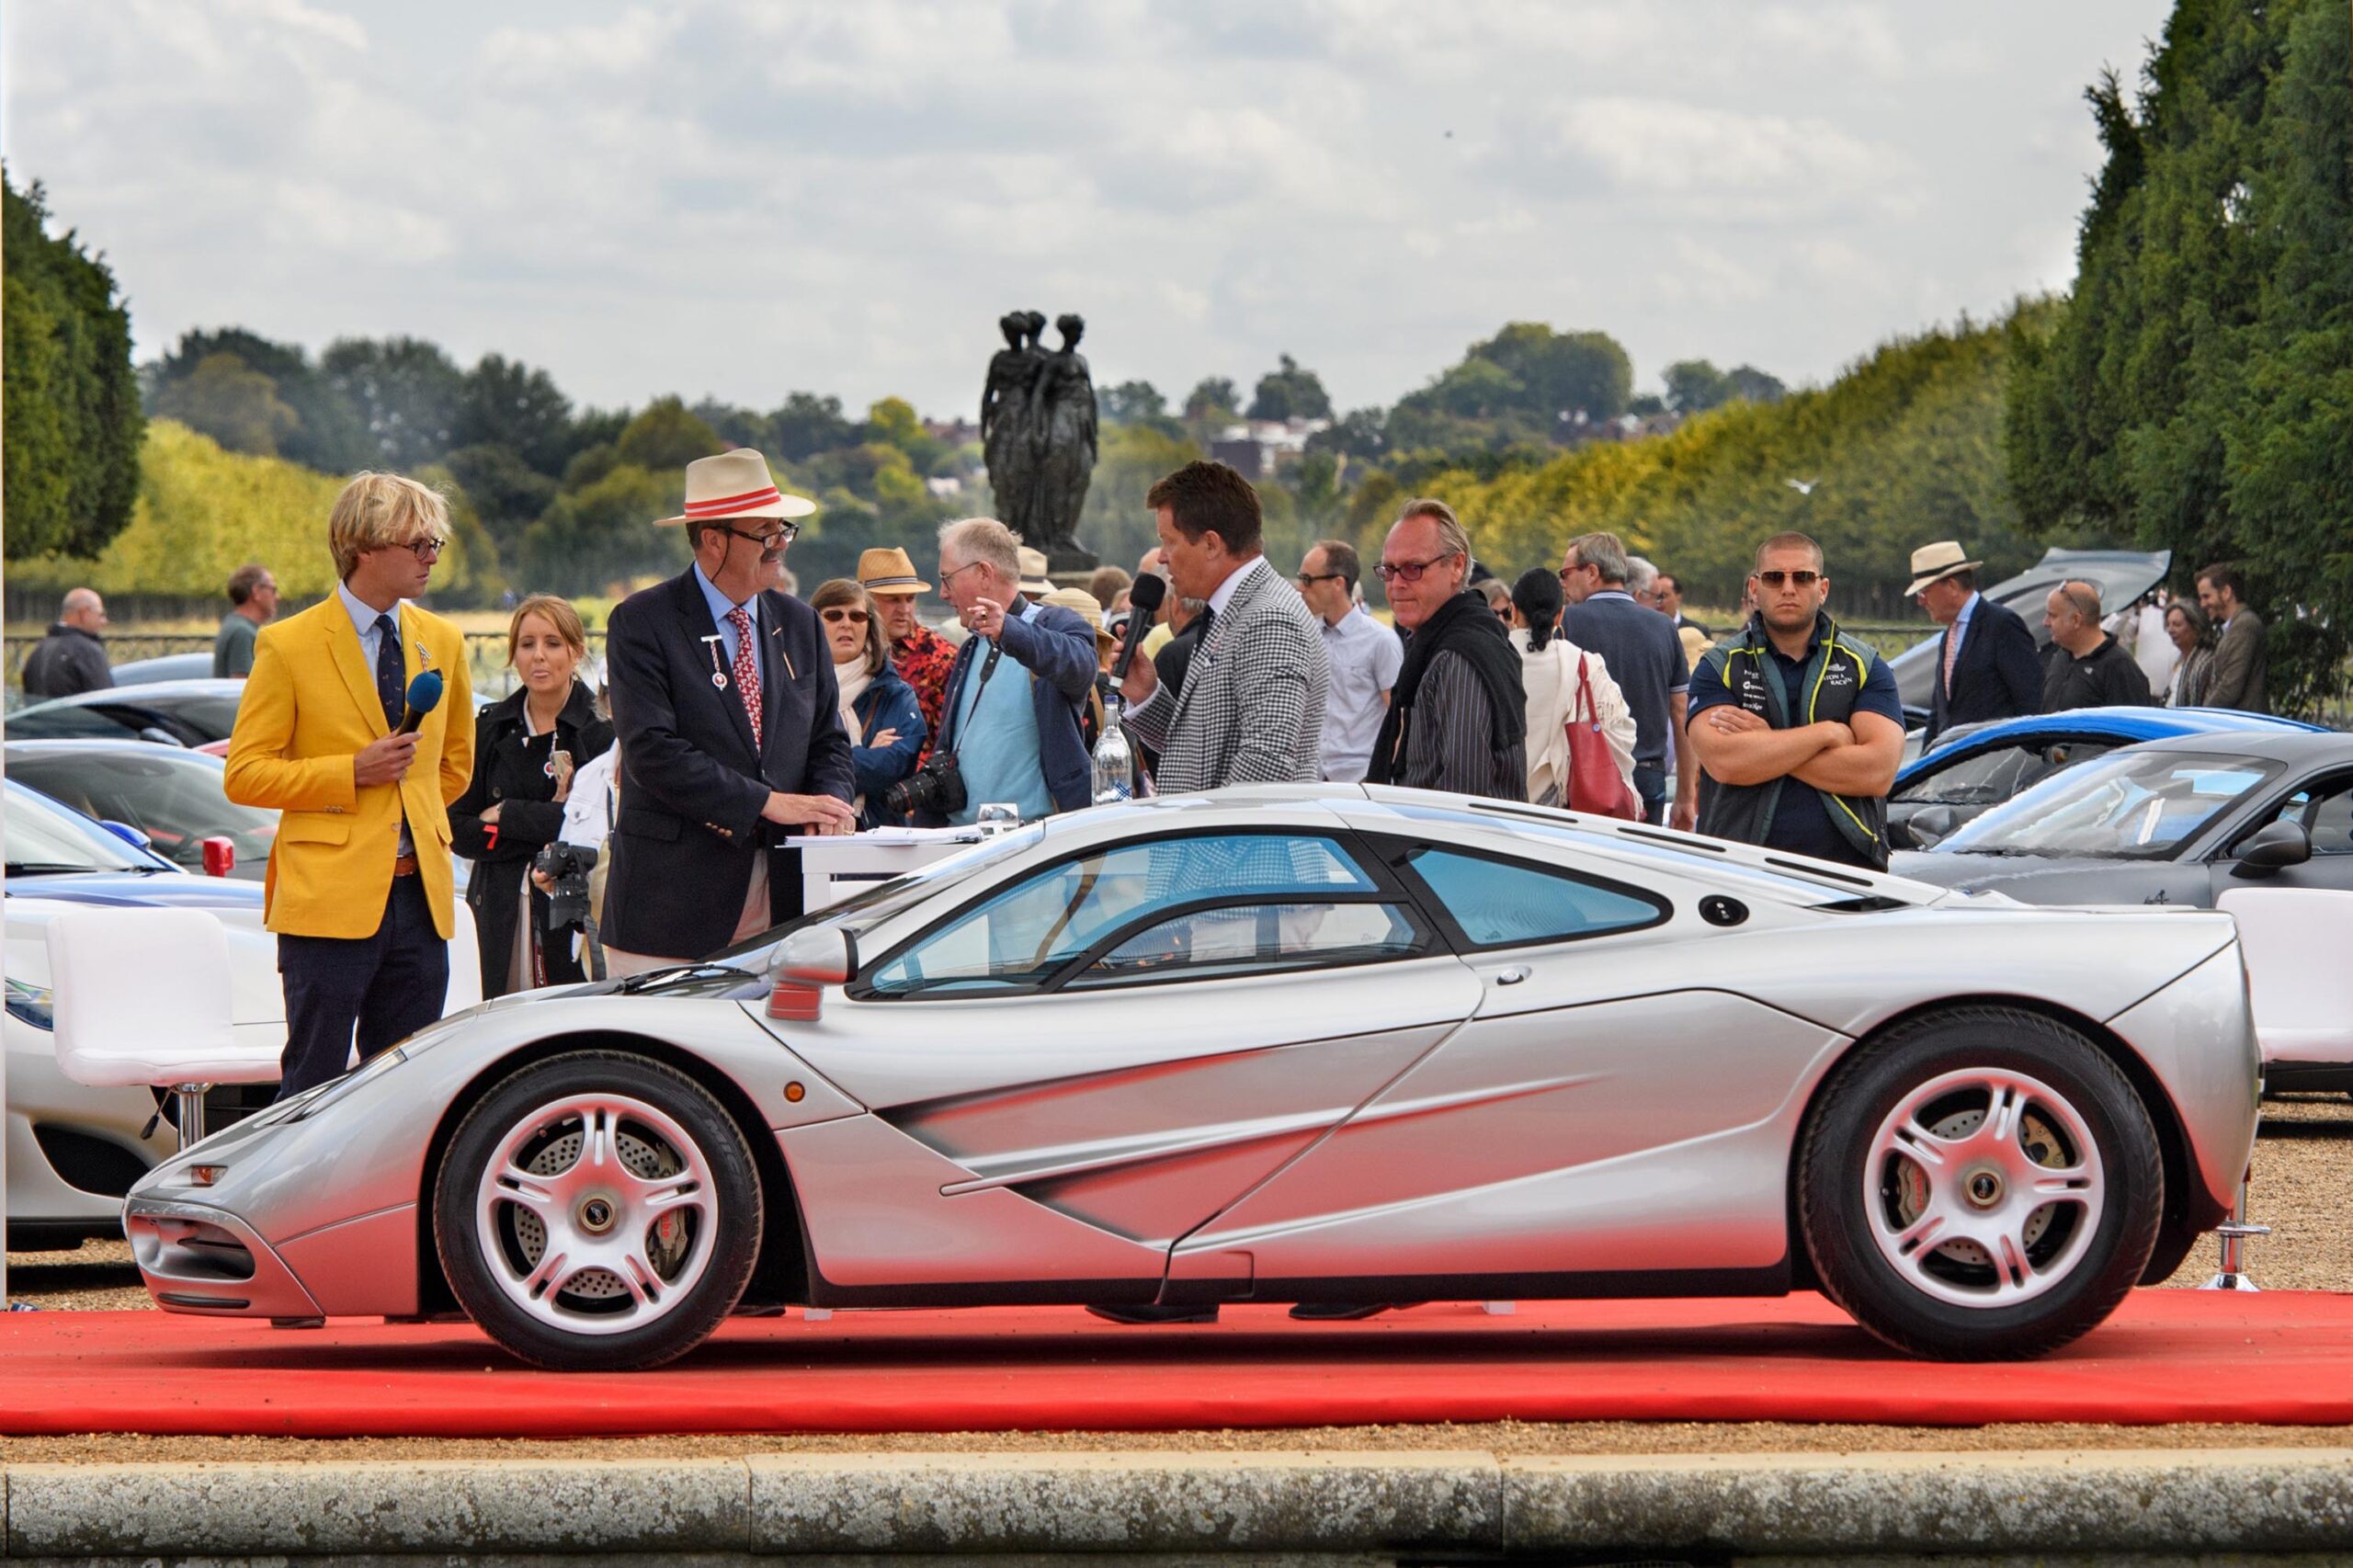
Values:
[(1797, 729)]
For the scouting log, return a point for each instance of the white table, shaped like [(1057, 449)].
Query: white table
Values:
[(836, 868)]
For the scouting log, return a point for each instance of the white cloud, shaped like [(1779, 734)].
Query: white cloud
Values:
[(743, 196)]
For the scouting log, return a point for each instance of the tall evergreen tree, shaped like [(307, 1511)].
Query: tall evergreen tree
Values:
[(73, 422), (2198, 387)]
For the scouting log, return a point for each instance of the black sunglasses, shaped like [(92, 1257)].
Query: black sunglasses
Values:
[(1799, 579)]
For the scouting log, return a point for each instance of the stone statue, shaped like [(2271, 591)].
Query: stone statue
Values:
[(1037, 434)]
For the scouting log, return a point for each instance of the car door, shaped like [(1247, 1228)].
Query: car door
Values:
[(1075, 1068), (1553, 1131)]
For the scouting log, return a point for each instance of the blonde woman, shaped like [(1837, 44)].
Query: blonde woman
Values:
[(879, 708), (526, 746)]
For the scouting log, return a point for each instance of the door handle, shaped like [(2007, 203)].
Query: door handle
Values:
[(1513, 975)]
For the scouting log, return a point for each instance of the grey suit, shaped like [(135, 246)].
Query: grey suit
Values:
[(1252, 710), (2240, 662)]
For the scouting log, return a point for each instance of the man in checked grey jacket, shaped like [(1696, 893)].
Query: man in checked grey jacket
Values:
[(1252, 707)]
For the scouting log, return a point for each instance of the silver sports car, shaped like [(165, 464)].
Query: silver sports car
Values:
[(1321, 1043)]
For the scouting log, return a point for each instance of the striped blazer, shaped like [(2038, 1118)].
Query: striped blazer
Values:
[(1252, 708)]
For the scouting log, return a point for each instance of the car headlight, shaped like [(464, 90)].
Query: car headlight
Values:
[(328, 1094), (36, 1004)]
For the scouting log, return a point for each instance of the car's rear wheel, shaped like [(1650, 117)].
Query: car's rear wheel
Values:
[(1980, 1185), (597, 1212)]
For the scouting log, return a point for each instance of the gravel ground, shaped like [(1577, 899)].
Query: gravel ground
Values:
[(2301, 1165)]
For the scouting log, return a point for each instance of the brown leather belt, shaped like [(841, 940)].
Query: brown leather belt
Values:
[(405, 867)]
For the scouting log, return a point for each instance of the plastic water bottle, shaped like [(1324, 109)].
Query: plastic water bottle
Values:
[(1114, 766)]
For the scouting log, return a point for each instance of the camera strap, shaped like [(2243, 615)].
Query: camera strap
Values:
[(988, 668)]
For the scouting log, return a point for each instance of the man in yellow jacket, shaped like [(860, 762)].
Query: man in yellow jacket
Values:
[(360, 879)]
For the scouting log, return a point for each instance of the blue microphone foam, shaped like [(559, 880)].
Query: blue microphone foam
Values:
[(424, 691)]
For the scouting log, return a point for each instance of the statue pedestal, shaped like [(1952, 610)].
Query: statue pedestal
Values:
[(1074, 558)]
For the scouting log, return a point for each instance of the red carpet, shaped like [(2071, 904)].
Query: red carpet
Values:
[(2169, 1356)]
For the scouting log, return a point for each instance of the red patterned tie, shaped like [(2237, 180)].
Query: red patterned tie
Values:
[(747, 669), (1953, 653)]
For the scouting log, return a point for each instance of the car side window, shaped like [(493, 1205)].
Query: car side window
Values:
[(1994, 776), (1020, 938), (1503, 903), (2325, 810), (1259, 939)]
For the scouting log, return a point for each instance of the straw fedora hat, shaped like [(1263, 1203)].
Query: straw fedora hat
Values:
[(1935, 562), (1080, 600), (889, 571), (1034, 574), (735, 484)]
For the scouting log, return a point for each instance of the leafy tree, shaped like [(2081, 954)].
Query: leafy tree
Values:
[(664, 438), (407, 392), (1129, 459), (226, 399), (1755, 385), (1563, 370), (735, 426), (1290, 392), (807, 424), (1694, 386), (893, 421), (1361, 433), (2195, 391), (1212, 401), (504, 403), (328, 433), (1130, 402), (597, 538), (506, 492), (1527, 384), (73, 419)]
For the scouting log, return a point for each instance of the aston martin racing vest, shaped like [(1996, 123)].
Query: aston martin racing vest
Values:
[(1833, 676)]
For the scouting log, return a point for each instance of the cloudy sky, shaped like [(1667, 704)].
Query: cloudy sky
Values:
[(746, 197)]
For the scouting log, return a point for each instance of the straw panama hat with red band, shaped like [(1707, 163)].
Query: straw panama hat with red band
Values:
[(734, 484)]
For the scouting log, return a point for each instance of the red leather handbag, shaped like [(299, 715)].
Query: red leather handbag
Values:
[(1594, 783)]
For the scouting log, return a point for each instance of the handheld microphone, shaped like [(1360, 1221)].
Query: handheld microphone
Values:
[(1143, 601), (424, 697)]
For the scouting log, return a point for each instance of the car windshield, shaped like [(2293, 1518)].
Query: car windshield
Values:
[(175, 797), (2131, 804), (44, 839)]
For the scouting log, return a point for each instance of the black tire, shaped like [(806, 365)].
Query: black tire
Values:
[(706, 1220), (2092, 1253)]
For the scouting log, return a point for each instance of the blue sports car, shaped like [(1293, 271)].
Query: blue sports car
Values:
[(1981, 765)]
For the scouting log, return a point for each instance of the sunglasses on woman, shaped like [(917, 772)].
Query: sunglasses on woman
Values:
[(840, 613)]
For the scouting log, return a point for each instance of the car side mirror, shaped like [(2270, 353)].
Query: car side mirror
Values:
[(1931, 823), (802, 967), (2275, 845)]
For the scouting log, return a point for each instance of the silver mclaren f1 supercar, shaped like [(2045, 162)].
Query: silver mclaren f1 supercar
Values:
[(1321, 1043)]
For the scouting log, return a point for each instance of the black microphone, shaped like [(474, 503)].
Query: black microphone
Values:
[(1143, 600), (424, 697)]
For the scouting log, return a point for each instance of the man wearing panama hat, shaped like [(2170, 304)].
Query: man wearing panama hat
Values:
[(922, 656), (729, 727), (1986, 666)]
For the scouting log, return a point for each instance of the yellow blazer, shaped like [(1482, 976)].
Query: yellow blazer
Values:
[(309, 706)]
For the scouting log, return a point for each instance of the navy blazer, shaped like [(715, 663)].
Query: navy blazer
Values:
[(692, 784), (887, 703), (1056, 650), (1997, 676)]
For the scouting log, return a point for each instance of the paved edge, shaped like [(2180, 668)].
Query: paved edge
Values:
[(2071, 1502)]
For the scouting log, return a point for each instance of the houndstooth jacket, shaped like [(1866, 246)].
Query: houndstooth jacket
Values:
[(1252, 708)]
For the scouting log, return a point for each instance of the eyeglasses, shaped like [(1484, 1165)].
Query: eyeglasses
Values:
[(840, 613), (947, 577), (1411, 571), (1309, 579), (426, 549), (783, 533), (1795, 579), (1580, 566)]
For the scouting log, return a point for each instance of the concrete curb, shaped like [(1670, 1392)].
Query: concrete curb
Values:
[(2058, 1502)]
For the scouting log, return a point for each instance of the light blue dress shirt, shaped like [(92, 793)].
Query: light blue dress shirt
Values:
[(721, 607), (363, 620)]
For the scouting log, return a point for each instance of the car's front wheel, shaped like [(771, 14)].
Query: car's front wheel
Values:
[(1980, 1185), (597, 1212)]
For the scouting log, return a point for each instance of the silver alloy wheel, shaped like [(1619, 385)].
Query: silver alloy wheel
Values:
[(1983, 1187), (596, 1215)]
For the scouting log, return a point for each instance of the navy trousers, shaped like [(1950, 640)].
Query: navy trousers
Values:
[(386, 987)]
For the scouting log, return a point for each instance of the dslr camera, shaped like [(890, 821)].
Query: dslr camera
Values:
[(937, 786), (566, 865)]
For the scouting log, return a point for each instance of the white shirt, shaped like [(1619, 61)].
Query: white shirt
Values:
[(1365, 658), (1233, 584)]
